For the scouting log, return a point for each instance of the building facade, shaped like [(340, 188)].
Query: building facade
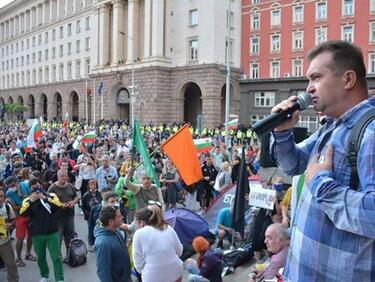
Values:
[(276, 35), (58, 55)]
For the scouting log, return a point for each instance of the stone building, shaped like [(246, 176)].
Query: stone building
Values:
[(55, 52)]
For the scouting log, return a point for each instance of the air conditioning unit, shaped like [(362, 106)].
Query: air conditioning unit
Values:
[(243, 76), (287, 74)]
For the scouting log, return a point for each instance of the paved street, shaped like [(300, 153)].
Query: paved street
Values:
[(87, 272)]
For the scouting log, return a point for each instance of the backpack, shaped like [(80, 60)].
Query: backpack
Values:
[(77, 252), (238, 256)]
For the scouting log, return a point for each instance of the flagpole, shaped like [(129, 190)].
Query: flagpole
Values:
[(86, 106), (101, 99), (94, 102)]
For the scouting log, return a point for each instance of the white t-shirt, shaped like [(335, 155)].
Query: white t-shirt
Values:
[(156, 254)]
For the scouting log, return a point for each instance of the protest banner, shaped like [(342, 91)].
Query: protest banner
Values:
[(260, 197)]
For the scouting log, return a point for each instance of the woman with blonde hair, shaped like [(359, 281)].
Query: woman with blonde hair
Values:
[(224, 178), (169, 178), (156, 248)]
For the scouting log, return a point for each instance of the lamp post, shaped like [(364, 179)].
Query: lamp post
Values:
[(227, 86)]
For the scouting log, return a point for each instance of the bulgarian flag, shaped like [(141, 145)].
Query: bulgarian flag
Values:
[(203, 145), (232, 124), (34, 133), (89, 137)]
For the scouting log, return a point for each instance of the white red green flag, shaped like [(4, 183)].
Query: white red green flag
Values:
[(232, 124), (203, 145), (89, 137), (34, 133)]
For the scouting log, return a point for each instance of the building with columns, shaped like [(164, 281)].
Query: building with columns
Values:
[(170, 54)]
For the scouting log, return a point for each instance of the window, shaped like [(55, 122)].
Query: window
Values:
[(297, 40), (264, 99), (69, 49), (61, 32), (372, 32), (193, 49), (53, 34), (320, 35), (69, 31), (87, 43), (22, 60), (53, 73), (347, 7), (17, 47), (16, 62), (254, 70), (297, 67), (321, 11), (275, 18), (61, 52), (254, 45), (275, 69), (39, 39), (372, 6), (371, 63), (33, 41), (78, 68), (53, 55), (275, 43), (46, 54), (11, 49), (347, 33), (87, 23), (40, 75), (87, 66), (40, 56), (46, 74), (33, 58), (78, 26), (61, 72), (27, 59), (78, 46), (22, 45), (46, 37), (298, 14), (255, 21), (230, 50), (193, 17), (69, 70)]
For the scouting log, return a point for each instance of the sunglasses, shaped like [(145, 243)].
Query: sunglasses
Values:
[(156, 203)]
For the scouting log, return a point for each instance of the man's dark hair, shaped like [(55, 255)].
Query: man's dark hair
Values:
[(345, 56), (107, 213), (33, 181), (109, 195)]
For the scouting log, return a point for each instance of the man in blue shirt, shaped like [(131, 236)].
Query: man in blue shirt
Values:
[(333, 231), (224, 225)]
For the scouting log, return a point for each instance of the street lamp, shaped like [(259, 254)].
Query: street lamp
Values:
[(227, 86)]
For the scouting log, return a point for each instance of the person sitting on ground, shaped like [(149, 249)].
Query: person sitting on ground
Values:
[(208, 265), (277, 242), (224, 225)]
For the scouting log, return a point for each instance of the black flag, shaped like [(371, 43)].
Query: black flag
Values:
[(238, 217)]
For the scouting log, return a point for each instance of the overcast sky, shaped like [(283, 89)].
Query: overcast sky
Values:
[(4, 2)]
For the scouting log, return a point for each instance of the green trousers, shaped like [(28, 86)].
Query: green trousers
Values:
[(50, 241)]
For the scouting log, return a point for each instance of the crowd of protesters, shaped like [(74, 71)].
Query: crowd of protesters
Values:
[(48, 182)]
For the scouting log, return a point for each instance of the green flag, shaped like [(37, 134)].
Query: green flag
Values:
[(140, 146)]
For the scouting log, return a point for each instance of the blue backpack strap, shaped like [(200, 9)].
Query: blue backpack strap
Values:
[(354, 144)]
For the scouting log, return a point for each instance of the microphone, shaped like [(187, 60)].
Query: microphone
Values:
[(275, 119)]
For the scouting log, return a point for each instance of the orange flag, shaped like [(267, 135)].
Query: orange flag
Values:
[(181, 151)]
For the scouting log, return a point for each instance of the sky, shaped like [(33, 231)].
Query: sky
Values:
[(4, 2)]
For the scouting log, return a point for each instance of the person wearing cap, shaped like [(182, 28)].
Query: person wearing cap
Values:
[(15, 195), (144, 192), (208, 264), (106, 174)]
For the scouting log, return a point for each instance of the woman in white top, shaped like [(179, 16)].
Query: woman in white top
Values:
[(156, 248)]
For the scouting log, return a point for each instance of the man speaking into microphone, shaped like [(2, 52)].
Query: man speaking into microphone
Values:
[(333, 231)]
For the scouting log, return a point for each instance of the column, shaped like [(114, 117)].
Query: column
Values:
[(1, 32), (133, 22), (27, 20), (147, 29), (11, 27), (7, 34), (16, 25), (59, 12), (22, 22), (66, 7), (45, 12), (158, 28), (52, 9), (32, 17), (118, 32), (39, 15), (103, 35)]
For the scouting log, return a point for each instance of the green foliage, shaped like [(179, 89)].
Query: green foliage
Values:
[(15, 108)]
